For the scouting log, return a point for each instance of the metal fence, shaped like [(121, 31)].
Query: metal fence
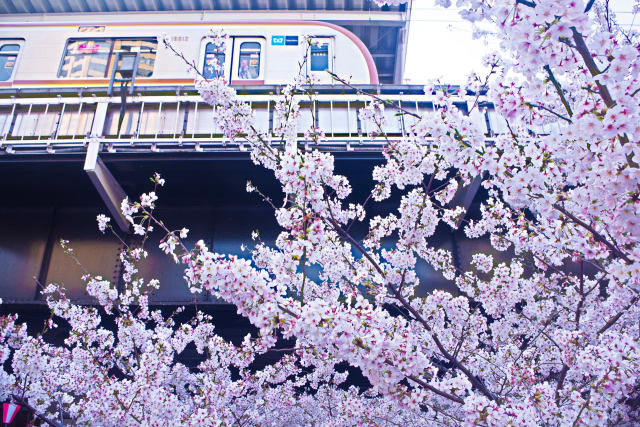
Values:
[(160, 122)]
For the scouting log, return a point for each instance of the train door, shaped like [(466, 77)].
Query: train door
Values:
[(9, 52), (248, 60), (320, 58), (216, 59)]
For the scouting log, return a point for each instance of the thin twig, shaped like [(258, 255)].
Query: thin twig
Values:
[(377, 98), (542, 107), (559, 89)]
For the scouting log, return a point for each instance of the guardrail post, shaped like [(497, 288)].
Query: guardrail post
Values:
[(97, 127)]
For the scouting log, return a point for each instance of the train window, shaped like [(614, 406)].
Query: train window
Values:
[(214, 57), (86, 58), (319, 56), (147, 53), (249, 61), (95, 57), (8, 57)]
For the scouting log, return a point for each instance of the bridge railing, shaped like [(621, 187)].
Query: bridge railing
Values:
[(179, 122)]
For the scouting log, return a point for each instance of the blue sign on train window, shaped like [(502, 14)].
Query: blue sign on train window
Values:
[(277, 40), (291, 40), (320, 57)]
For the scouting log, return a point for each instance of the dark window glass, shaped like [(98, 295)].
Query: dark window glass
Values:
[(214, 58), (8, 57), (249, 61), (95, 58), (320, 57)]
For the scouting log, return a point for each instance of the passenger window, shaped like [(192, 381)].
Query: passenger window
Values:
[(214, 57), (319, 53), (95, 58), (147, 53), (8, 57), (85, 58), (249, 61)]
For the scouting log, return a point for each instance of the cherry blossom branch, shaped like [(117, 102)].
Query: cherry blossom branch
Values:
[(483, 85), (180, 55), (351, 240), (303, 261), (24, 403), (560, 91), (364, 204), (432, 388), (413, 378), (193, 66), (70, 253), (560, 383), (586, 402), (417, 380), (288, 349), (474, 380), (373, 96), (615, 318), (125, 407), (542, 107), (583, 296), (462, 336), (528, 3), (589, 5), (584, 52), (545, 323), (599, 237)]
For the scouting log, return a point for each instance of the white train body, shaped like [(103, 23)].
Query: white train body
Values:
[(78, 50)]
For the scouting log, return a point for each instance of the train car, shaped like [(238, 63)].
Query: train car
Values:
[(88, 50)]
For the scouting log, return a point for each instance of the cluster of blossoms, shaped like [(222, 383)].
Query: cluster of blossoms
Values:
[(543, 326)]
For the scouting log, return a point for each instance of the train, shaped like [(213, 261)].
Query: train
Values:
[(88, 50)]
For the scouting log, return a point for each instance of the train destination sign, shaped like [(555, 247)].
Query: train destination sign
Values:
[(90, 28)]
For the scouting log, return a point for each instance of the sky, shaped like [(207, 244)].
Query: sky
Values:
[(441, 46)]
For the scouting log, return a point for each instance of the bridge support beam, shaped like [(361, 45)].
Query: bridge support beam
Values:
[(109, 189), (466, 195)]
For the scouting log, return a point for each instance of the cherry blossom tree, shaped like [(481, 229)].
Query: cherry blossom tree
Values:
[(545, 334)]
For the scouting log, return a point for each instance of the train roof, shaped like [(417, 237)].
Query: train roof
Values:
[(68, 6), (382, 29)]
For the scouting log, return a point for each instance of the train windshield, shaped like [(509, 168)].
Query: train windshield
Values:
[(249, 61), (8, 57), (214, 58), (319, 56), (96, 57)]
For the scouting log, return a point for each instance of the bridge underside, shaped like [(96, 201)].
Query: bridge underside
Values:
[(49, 198), (53, 189)]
